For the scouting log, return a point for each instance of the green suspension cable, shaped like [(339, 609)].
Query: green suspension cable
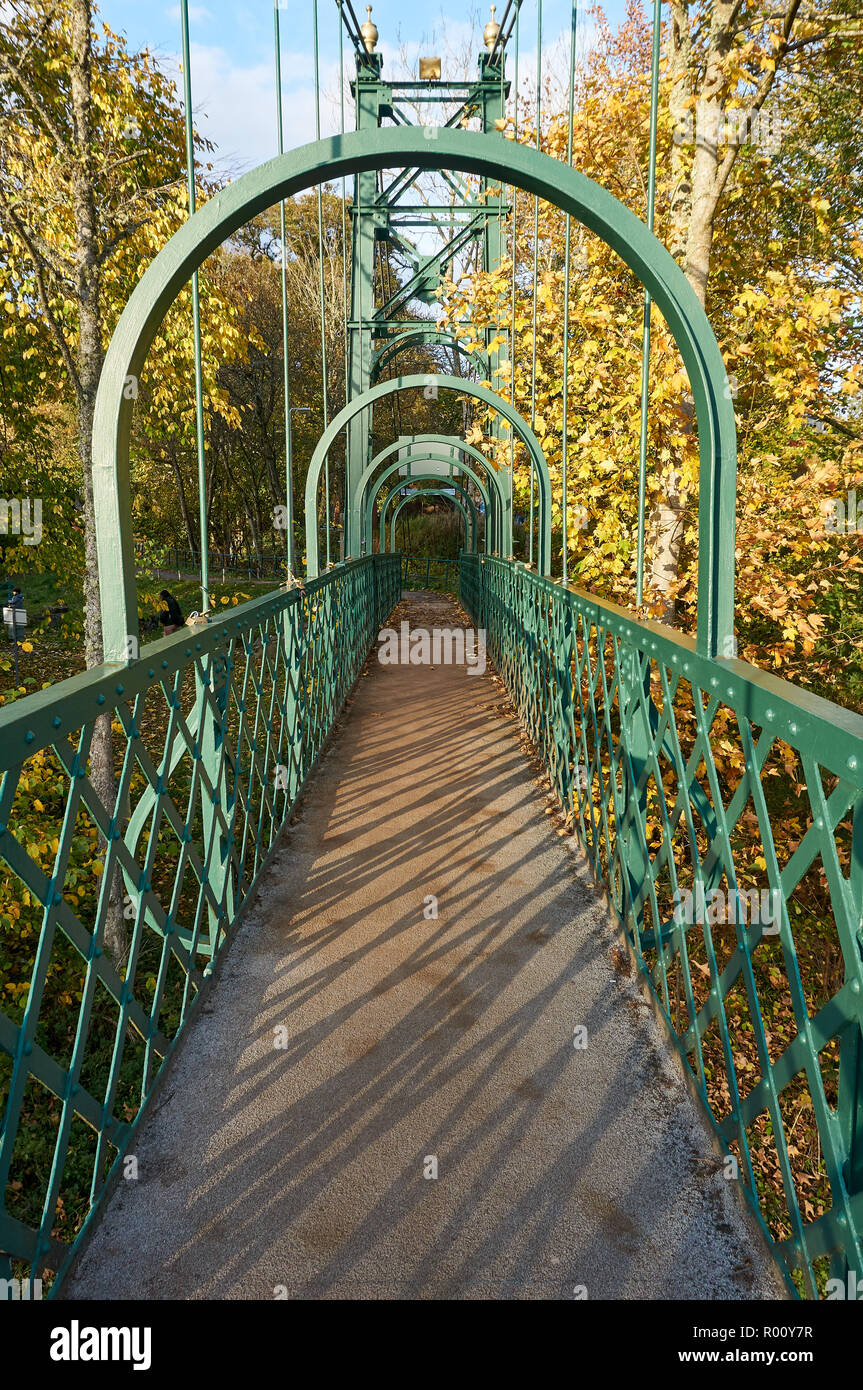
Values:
[(535, 256), (321, 280), (344, 198), (514, 257), (564, 440), (645, 337), (196, 320), (505, 540), (289, 443), (344, 243)]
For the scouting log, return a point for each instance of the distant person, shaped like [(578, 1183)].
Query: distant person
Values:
[(170, 617), (17, 599)]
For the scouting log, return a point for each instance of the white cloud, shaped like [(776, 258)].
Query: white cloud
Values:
[(235, 105), (198, 14)]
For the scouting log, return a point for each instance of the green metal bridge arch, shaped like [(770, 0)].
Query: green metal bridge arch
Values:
[(428, 492), (431, 148), (436, 381), (367, 485), (423, 337), (469, 520), (487, 495)]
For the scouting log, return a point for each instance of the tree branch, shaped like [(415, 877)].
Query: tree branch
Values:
[(55, 327), (38, 103)]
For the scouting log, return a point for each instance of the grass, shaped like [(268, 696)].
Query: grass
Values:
[(57, 652)]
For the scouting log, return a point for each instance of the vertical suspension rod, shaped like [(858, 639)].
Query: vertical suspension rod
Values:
[(344, 248), (512, 349), (289, 443), (645, 336), (535, 257), (196, 319), (321, 279), (564, 436)]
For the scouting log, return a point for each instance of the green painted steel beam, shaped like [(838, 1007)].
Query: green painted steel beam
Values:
[(426, 478)]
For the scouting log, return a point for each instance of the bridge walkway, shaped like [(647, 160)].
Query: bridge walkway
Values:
[(414, 1043)]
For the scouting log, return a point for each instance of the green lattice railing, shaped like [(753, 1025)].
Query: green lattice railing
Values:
[(116, 905), (695, 783)]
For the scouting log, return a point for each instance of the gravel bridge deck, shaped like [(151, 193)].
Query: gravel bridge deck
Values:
[(414, 1043)]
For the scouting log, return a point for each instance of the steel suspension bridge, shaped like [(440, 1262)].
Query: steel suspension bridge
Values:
[(409, 1035)]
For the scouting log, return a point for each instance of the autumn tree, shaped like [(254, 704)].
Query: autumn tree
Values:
[(780, 297), (91, 166)]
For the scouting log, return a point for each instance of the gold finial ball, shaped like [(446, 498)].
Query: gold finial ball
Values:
[(491, 31), (369, 32)]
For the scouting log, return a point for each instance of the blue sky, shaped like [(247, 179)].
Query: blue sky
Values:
[(233, 82)]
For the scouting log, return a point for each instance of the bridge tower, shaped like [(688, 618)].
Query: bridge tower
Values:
[(383, 211)]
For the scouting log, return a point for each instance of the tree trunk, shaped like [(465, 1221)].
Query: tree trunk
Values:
[(694, 200), (89, 367), (705, 165), (191, 535)]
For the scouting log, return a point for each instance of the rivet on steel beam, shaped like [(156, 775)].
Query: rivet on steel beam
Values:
[(852, 763), (29, 736), (119, 690), (100, 699), (56, 722), (164, 665)]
